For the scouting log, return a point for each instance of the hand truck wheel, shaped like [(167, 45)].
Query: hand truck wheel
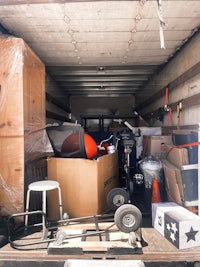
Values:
[(128, 218), (117, 197)]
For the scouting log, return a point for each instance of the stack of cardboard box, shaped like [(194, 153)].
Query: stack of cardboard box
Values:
[(181, 178), (179, 165), (175, 159)]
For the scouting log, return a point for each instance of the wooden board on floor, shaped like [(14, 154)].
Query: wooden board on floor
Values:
[(89, 241)]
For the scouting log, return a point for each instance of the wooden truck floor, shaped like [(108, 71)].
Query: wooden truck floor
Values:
[(155, 248)]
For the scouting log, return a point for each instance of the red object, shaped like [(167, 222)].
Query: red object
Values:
[(72, 144), (90, 146), (103, 150), (156, 198), (166, 96)]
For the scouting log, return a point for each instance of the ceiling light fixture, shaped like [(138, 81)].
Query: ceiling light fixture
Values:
[(101, 68)]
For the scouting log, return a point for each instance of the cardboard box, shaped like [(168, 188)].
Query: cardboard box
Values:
[(84, 184), (173, 182), (177, 156), (154, 145), (181, 184), (178, 225)]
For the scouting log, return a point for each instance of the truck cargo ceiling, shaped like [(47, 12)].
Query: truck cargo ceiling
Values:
[(103, 48)]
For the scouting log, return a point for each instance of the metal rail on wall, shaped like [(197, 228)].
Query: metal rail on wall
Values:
[(101, 118)]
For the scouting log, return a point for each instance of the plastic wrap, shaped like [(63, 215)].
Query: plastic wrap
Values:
[(151, 168), (22, 119)]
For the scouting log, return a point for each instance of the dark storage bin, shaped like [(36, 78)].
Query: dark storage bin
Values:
[(190, 185), (182, 139)]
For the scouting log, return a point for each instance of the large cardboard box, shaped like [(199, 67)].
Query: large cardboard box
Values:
[(22, 119), (84, 184), (177, 156), (181, 184), (178, 225), (173, 182), (154, 145)]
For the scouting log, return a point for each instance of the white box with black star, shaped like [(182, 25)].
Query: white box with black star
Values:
[(158, 210), (180, 226)]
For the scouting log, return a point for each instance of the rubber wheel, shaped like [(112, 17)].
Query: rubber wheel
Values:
[(128, 218), (131, 189), (117, 197), (3, 240)]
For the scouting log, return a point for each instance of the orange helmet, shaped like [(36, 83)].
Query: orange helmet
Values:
[(72, 144)]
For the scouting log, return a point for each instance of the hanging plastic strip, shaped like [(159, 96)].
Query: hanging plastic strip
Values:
[(162, 24)]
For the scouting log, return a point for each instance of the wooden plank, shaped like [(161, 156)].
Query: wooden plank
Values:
[(115, 243), (81, 247), (89, 226)]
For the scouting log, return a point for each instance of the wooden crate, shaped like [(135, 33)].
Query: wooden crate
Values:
[(22, 119)]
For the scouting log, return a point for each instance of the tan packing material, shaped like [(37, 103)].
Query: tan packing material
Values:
[(173, 182), (177, 156)]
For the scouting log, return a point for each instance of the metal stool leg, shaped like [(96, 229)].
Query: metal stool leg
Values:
[(44, 207), (60, 203), (27, 208)]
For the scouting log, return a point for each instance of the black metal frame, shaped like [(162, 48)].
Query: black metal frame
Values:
[(101, 118), (53, 228)]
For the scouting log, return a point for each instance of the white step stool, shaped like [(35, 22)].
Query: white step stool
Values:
[(43, 186)]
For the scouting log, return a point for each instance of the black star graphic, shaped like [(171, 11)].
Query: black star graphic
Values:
[(191, 234)]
